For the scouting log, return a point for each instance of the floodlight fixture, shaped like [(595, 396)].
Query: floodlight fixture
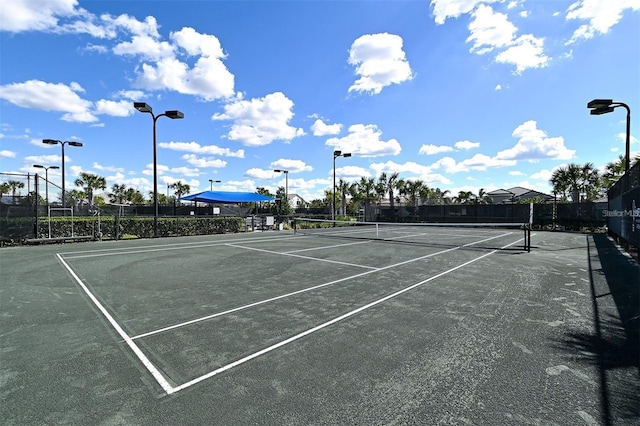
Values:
[(173, 114), (605, 106), (62, 143)]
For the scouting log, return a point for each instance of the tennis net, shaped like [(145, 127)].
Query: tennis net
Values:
[(515, 236)]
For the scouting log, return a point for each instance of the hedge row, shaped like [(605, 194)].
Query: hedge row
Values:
[(19, 229)]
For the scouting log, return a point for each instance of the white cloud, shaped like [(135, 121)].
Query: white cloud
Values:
[(204, 76), (262, 174), (114, 108), (364, 140), (112, 169), (498, 87), (420, 171), (601, 16), (379, 61), (186, 171), (623, 137), (351, 173), (543, 174), (196, 148), (466, 145), (533, 144), (7, 154), (525, 52), (20, 16), (260, 121), (430, 149), (443, 9), (516, 173), (45, 159), (319, 128), (489, 30), (194, 160), (479, 162), (50, 97), (292, 166)]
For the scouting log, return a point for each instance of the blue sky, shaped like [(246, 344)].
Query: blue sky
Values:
[(462, 94)]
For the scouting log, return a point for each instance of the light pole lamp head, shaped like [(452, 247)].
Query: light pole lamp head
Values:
[(73, 143), (54, 167), (38, 166), (50, 141), (346, 155), (174, 114), (143, 107), (599, 103), (337, 153)]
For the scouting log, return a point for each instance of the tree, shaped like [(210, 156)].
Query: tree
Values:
[(135, 197), (14, 185), (412, 189), (388, 184), (365, 190), (464, 197), (4, 188), (615, 170), (483, 198), (282, 206), (580, 182), (180, 188), (118, 194), (343, 188), (90, 182)]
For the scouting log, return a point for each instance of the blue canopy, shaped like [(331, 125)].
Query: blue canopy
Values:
[(226, 197)]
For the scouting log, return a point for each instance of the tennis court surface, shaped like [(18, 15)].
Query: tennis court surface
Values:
[(284, 328)]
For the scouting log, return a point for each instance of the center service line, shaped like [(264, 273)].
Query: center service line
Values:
[(326, 324)]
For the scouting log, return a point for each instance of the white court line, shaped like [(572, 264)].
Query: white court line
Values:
[(170, 389), (136, 350), (326, 324), (152, 249), (282, 296), (328, 247), (303, 257)]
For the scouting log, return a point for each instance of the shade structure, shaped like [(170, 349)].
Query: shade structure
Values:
[(226, 197)]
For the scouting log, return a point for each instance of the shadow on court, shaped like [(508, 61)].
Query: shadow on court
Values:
[(614, 345)]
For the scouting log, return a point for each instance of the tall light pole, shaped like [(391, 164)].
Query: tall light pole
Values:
[(286, 185), (173, 114), (211, 181), (63, 143), (336, 154), (46, 177), (605, 106)]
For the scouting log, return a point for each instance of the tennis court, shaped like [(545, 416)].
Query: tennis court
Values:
[(289, 328)]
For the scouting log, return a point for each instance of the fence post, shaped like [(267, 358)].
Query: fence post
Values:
[(37, 224)]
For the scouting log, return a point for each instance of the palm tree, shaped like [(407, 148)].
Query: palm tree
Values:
[(135, 197), (483, 198), (4, 189), (343, 189), (412, 189), (615, 169), (118, 194), (14, 185), (365, 190), (581, 183), (389, 184), (464, 197), (180, 188), (90, 182)]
